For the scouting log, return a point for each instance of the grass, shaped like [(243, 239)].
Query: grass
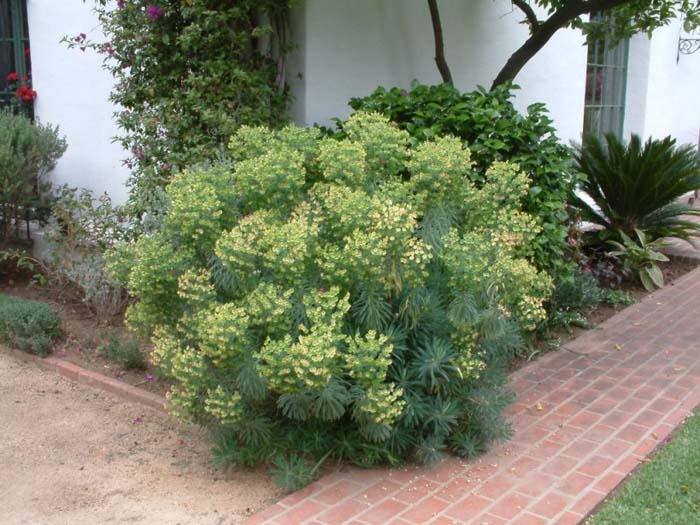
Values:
[(664, 491)]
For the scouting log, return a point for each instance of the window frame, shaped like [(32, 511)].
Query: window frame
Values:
[(19, 41), (610, 113)]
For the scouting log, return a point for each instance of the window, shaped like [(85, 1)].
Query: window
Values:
[(14, 44), (606, 83)]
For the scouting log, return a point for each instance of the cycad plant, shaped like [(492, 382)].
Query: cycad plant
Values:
[(637, 186)]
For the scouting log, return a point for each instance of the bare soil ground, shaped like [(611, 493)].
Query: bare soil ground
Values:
[(77, 456)]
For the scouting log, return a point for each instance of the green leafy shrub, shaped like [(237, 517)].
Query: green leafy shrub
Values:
[(357, 299), (187, 75), (28, 325), (126, 354), (640, 257), (494, 131), (636, 186), (27, 152)]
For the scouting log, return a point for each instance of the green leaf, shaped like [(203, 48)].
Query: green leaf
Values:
[(655, 275), (330, 403)]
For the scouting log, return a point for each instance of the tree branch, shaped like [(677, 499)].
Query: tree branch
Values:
[(546, 30), (529, 14), (439, 43)]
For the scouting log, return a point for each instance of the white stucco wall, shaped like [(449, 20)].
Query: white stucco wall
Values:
[(346, 49), (73, 92), (673, 98)]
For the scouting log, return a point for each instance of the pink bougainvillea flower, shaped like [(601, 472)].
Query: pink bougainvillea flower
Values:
[(154, 12), (121, 4)]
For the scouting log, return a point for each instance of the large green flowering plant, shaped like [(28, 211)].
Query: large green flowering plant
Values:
[(354, 298)]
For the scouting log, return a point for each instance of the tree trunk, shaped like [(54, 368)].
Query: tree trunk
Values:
[(523, 55), (545, 31), (439, 43)]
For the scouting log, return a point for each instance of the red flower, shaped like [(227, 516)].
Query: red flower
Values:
[(25, 93), (12, 77)]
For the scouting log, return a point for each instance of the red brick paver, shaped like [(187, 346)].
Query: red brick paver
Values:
[(584, 418)]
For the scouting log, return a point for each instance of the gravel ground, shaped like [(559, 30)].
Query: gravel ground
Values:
[(73, 455)]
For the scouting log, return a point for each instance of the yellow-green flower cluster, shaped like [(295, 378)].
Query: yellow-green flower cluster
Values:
[(195, 210), (382, 403), (343, 163), (269, 308), (477, 258), (384, 143), (310, 362), (222, 333), (465, 340), (440, 173), (154, 280), (194, 288), (368, 359), (225, 406), (271, 181)]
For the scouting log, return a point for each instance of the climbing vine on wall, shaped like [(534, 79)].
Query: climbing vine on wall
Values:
[(187, 74)]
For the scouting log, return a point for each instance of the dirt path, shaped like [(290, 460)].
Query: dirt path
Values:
[(73, 455)]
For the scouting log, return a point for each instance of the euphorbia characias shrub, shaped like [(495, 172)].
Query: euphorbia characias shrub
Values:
[(355, 298)]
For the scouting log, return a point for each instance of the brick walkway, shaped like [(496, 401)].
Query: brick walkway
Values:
[(585, 417)]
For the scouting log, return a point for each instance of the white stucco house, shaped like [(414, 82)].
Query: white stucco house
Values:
[(348, 48)]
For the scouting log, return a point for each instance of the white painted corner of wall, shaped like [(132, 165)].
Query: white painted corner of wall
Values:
[(73, 93)]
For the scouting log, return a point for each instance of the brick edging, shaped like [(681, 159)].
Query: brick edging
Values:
[(87, 377)]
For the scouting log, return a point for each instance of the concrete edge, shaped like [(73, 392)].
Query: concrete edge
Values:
[(83, 376)]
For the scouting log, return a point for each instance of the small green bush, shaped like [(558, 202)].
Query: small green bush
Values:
[(28, 325), (578, 293), (494, 130), (27, 152), (573, 297), (126, 354), (355, 299)]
